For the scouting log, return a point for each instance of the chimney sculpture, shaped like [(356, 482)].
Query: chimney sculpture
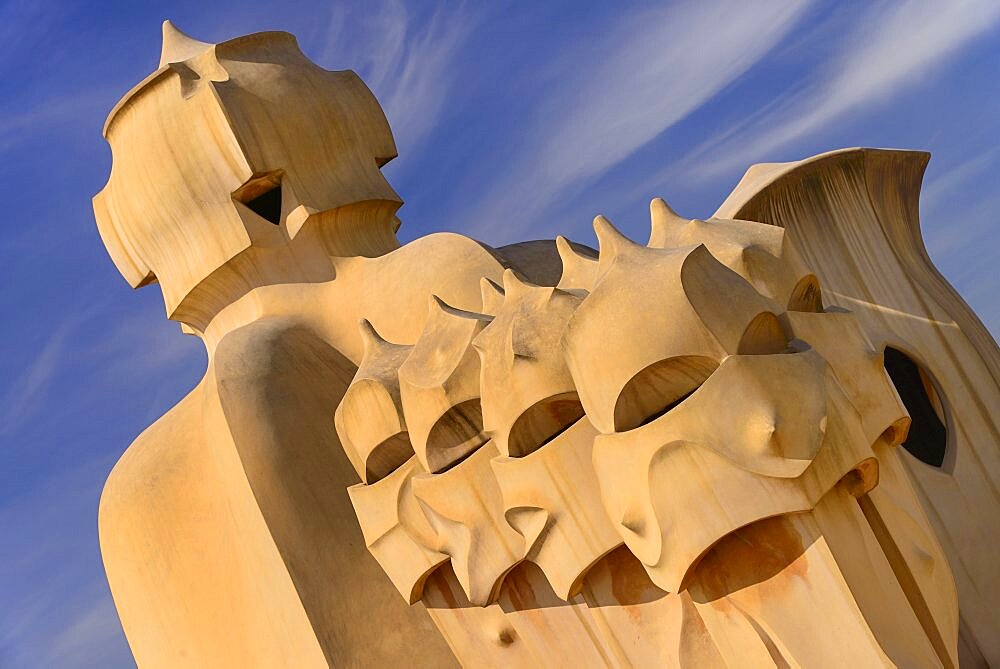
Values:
[(757, 440)]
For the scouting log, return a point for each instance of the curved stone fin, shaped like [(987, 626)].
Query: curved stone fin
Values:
[(493, 296), (177, 46), (764, 335), (437, 305), (793, 448), (528, 394), (529, 521), (514, 286), (680, 303), (840, 338), (374, 343), (553, 499), (807, 295), (725, 302)]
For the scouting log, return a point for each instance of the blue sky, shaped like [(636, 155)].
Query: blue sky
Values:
[(515, 122)]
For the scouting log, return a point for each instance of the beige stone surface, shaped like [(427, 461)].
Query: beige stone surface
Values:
[(853, 214), (685, 453)]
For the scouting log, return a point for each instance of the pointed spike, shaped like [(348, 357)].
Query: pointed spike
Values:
[(661, 219), (658, 207), (493, 296), (440, 306), (564, 248), (608, 234), (437, 313), (513, 286), (375, 345), (632, 520), (570, 257), (178, 46), (435, 303), (578, 269), (370, 336), (611, 241)]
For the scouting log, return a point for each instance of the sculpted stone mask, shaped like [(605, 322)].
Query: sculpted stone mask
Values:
[(712, 416), (685, 409), (685, 385), (218, 126)]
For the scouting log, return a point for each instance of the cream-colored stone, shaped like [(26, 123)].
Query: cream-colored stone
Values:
[(529, 394), (369, 420), (676, 314), (396, 531), (465, 508), (439, 385), (550, 497), (685, 453), (860, 234)]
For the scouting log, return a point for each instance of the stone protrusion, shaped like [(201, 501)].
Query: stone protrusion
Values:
[(579, 271), (663, 221), (552, 498), (759, 253), (712, 465), (369, 419), (396, 531), (465, 508), (671, 306), (439, 387), (529, 394), (492, 296)]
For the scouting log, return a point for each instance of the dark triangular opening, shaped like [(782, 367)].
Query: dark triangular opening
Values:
[(267, 205)]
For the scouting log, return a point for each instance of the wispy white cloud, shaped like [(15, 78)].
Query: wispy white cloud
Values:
[(57, 608), (86, 640), (142, 343), (646, 73), (958, 212), (406, 60), (138, 345), (75, 109), (934, 193), (893, 46), (25, 393), (962, 243)]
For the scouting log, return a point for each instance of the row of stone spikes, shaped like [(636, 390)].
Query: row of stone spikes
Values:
[(440, 430), (431, 397)]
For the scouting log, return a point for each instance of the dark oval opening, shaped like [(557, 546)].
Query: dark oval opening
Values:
[(807, 295), (388, 456), (927, 440), (455, 436), (659, 388), (544, 421)]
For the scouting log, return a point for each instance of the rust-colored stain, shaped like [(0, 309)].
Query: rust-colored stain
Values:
[(438, 584), (630, 584), (519, 591), (751, 555), (697, 648)]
